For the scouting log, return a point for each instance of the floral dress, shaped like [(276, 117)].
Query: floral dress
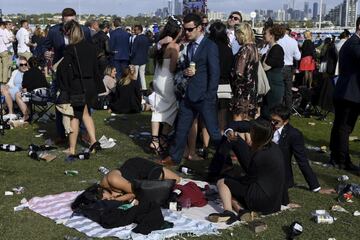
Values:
[(243, 80)]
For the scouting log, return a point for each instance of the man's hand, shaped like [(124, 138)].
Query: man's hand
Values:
[(189, 72), (166, 40)]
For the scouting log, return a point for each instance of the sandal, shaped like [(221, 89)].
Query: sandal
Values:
[(96, 146), (226, 216), (163, 140), (156, 146)]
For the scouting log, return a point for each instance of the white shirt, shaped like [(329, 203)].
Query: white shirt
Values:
[(3, 42), (11, 38), (235, 46), (291, 50), (23, 37), (338, 47), (277, 135)]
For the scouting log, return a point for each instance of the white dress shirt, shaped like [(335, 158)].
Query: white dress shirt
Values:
[(235, 46), (291, 50), (277, 135), (23, 37), (3, 47)]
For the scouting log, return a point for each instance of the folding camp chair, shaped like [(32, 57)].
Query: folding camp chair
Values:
[(41, 102)]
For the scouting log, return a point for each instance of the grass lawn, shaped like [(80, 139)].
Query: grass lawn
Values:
[(40, 178)]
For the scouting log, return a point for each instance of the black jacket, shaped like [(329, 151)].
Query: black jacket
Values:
[(139, 50), (348, 84), (101, 42), (68, 73), (291, 143)]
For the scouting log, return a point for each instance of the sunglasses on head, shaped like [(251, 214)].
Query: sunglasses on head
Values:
[(189, 29), (234, 17), (23, 64)]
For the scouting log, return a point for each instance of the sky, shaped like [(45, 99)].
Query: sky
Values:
[(133, 7)]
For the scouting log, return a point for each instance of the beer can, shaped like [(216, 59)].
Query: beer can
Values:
[(324, 219)]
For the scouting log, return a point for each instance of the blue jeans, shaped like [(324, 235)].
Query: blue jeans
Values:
[(187, 112)]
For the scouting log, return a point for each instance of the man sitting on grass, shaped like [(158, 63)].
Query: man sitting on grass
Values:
[(291, 143)]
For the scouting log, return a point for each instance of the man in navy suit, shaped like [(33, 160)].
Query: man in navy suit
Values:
[(139, 47), (119, 45), (346, 102), (201, 92), (57, 40), (291, 143)]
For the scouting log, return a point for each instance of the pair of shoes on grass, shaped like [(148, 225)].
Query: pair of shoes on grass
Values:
[(230, 217)]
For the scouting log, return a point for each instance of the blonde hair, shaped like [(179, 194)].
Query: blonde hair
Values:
[(108, 70), (308, 35), (74, 31), (244, 32)]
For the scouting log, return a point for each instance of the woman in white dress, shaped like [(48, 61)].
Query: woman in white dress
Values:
[(163, 99)]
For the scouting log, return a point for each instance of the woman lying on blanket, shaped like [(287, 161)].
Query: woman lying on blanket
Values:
[(116, 185), (262, 188)]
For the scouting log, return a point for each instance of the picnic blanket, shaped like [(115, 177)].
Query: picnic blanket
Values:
[(189, 221)]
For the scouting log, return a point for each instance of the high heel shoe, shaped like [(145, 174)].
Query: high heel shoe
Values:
[(95, 147), (156, 146)]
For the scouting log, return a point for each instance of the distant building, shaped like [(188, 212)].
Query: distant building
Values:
[(344, 14), (315, 11), (217, 16), (306, 9), (170, 7), (280, 15), (178, 7)]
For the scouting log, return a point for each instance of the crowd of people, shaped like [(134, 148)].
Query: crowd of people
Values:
[(206, 82)]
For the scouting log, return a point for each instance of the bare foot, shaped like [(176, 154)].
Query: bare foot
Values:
[(67, 151), (327, 191), (293, 205)]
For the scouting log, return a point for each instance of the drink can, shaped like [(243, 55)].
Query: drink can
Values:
[(324, 219), (192, 66), (71, 172)]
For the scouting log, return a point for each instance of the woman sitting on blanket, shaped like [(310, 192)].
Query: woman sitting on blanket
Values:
[(116, 185), (262, 188)]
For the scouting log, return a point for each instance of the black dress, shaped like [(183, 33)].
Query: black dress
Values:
[(126, 98), (263, 186), (68, 74)]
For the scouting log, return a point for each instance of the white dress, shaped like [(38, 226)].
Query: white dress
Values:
[(163, 100)]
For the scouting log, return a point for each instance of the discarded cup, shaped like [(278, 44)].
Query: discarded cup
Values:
[(343, 178), (71, 172), (103, 170), (9, 193)]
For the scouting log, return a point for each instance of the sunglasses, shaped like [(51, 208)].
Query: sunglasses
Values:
[(189, 29), (205, 24), (23, 64), (274, 122), (233, 17)]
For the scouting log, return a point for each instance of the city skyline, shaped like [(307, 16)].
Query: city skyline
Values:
[(131, 7)]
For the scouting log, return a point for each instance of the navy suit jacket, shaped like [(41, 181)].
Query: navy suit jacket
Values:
[(348, 84), (204, 84), (291, 143), (119, 44), (139, 50), (55, 39)]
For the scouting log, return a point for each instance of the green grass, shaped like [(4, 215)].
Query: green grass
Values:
[(40, 178)]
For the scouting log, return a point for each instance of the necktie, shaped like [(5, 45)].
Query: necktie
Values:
[(191, 51)]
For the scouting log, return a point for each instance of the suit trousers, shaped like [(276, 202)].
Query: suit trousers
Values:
[(346, 115), (140, 75), (288, 77), (120, 65), (5, 64), (186, 115)]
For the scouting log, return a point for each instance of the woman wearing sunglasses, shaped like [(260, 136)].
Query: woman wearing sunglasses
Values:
[(12, 89)]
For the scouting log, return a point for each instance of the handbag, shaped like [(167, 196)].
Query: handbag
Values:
[(78, 100), (153, 190), (224, 91), (263, 86)]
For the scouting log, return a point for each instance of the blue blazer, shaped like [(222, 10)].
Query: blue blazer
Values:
[(139, 50), (119, 44), (204, 84), (348, 84), (55, 39)]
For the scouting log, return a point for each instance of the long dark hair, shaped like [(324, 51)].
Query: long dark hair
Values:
[(218, 33), (261, 133), (171, 29)]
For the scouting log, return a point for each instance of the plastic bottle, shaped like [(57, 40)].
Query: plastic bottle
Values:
[(103, 170)]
